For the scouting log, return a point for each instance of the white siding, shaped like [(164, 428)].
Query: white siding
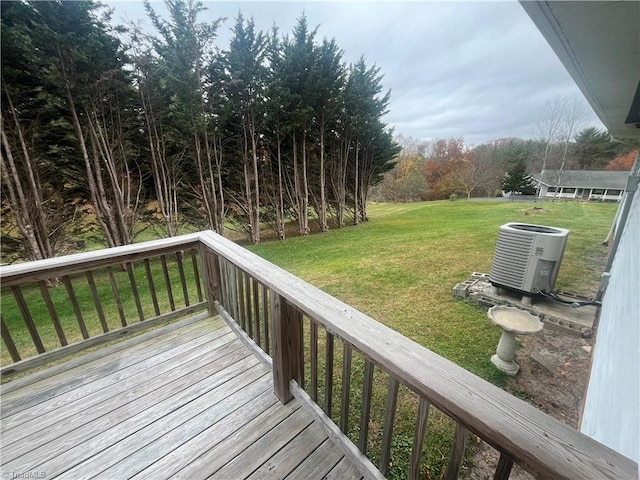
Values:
[(612, 406)]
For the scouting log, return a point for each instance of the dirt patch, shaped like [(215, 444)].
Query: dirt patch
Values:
[(558, 393)]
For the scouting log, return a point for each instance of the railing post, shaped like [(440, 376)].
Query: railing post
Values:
[(210, 266), (287, 352)]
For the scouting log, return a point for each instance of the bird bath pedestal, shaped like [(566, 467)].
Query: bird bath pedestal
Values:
[(512, 321)]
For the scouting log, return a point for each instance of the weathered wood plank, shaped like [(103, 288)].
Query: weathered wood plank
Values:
[(167, 281), (82, 345), (265, 318), (365, 410), (96, 302), (291, 455), (343, 470), (123, 404), (28, 319), (76, 307), (256, 311), (152, 287), (129, 419), (80, 405), (328, 373), (362, 463), (319, 463), (8, 341), (242, 317), (456, 456), (183, 279), (346, 387), (63, 367), (418, 439), (134, 290), (219, 443), (196, 273), (389, 416), (249, 401), (53, 314), (503, 471), (118, 459), (288, 362), (263, 448), (546, 446), (313, 346), (116, 296), (19, 405), (242, 335), (69, 264)]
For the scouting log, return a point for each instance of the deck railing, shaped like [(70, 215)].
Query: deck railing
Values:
[(110, 293), (345, 367)]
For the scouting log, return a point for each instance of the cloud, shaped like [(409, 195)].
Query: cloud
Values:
[(478, 70)]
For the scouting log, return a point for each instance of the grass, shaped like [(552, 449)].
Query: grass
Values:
[(400, 269)]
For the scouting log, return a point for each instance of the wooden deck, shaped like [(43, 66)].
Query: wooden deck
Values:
[(185, 401)]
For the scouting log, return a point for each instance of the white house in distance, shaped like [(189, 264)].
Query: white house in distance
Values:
[(599, 45), (603, 185)]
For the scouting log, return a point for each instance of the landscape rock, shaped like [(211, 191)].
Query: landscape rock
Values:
[(549, 360)]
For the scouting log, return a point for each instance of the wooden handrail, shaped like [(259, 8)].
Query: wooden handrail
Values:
[(80, 262), (541, 444)]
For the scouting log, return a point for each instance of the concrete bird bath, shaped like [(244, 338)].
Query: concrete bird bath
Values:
[(512, 321)]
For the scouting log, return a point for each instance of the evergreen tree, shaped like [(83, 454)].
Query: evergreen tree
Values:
[(517, 180)]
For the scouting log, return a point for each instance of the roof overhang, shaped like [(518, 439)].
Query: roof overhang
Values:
[(598, 42)]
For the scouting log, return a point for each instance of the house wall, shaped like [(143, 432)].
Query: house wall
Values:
[(612, 406)]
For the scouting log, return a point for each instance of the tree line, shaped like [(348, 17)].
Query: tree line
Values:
[(103, 126), (448, 168)]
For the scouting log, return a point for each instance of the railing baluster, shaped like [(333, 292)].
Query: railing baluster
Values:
[(167, 281), (96, 301), (389, 415), (247, 299), (233, 282), (44, 291), (418, 439), (116, 296), (183, 280), (265, 318), (504, 468), (314, 360), (346, 387), (152, 288), (242, 319), (288, 361), (8, 341), (28, 320), (256, 311), (457, 452), (328, 374), (76, 307), (134, 290), (196, 273), (365, 413)]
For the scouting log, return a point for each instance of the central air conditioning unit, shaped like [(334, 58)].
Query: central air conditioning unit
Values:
[(527, 257)]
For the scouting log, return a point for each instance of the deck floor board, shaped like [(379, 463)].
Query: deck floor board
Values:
[(192, 402)]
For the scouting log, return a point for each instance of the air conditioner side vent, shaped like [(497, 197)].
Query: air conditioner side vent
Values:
[(511, 259)]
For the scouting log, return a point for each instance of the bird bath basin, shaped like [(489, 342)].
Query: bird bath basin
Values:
[(512, 321)]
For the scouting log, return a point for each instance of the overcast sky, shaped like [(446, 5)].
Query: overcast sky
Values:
[(478, 70)]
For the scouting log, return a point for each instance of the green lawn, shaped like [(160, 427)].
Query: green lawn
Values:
[(401, 266)]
